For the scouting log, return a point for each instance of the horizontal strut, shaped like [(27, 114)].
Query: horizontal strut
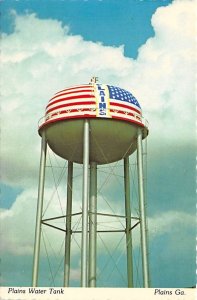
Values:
[(79, 231), (59, 217), (99, 214), (111, 215)]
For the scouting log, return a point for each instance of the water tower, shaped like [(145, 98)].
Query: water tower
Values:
[(76, 121)]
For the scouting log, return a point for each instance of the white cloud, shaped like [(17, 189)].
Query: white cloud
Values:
[(171, 221), (40, 57), (18, 238), (165, 72)]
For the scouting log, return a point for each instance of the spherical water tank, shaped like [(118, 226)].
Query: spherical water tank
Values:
[(114, 116)]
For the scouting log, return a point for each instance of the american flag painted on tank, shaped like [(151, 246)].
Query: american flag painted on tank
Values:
[(117, 93), (93, 100)]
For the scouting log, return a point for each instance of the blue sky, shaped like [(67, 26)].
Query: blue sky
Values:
[(138, 45), (108, 22)]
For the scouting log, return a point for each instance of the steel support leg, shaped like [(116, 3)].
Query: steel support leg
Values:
[(142, 210), (128, 222), (39, 211), (84, 242), (92, 224), (68, 225)]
